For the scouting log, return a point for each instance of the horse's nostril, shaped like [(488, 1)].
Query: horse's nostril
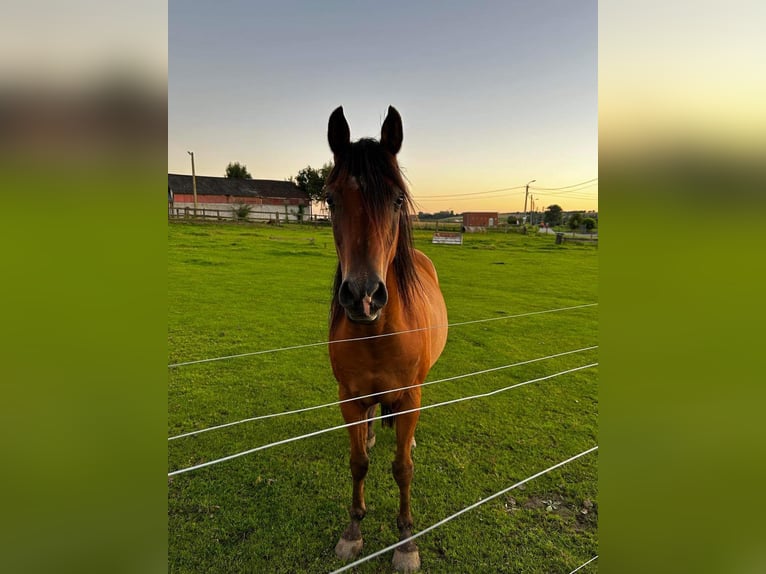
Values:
[(380, 295), (345, 295)]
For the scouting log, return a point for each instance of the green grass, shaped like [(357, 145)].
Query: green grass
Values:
[(235, 288)]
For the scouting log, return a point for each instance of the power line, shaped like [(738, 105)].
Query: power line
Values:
[(560, 198), (568, 194), (476, 193), (466, 194), (321, 343), (475, 198), (306, 409), (565, 186), (381, 417), (575, 193), (462, 511)]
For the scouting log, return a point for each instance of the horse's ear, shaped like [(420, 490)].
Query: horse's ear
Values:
[(338, 133), (391, 134)]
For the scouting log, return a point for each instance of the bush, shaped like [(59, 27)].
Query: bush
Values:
[(574, 221), (242, 211)]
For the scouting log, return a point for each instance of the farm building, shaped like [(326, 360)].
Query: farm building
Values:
[(269, 199), (473, 220)]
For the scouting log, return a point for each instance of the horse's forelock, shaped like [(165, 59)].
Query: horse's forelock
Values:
[(378, 176)]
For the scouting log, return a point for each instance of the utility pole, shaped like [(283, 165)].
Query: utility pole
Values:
[(526, 194), (194, 182)]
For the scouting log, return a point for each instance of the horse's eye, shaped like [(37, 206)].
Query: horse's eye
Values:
[(329, 200), (399, 201)]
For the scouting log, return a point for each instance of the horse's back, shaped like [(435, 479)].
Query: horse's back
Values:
[(437, 307)]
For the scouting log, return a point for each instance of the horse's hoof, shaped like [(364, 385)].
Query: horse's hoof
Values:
[(414, 443), (406, 561), (371, 442), (348, 549)]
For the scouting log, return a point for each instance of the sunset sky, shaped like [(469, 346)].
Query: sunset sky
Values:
[(492, 94)]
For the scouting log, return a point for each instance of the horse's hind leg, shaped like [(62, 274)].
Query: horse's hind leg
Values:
[(350, 543), (406, 557), (370, 430)]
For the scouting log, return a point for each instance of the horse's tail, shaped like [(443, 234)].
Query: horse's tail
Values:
[(388, 421)]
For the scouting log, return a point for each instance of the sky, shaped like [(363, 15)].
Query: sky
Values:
[(492, 94)]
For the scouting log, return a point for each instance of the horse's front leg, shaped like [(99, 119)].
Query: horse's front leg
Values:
[(406, 557), (350, 543)]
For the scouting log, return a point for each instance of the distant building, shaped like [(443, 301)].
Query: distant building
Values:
[(479, 220), (270, 199)]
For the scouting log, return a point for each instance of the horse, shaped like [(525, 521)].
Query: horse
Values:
[(388, 293)]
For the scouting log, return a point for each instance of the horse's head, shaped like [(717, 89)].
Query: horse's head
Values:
[(369, 205)]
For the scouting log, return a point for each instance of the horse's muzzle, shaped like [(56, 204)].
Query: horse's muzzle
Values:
[(363, 300)]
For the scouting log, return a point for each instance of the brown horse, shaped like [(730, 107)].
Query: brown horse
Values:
[(382, 285)]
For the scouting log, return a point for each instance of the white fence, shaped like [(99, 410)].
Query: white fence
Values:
[(272, 213)]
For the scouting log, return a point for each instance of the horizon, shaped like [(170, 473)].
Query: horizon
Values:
[(427, 212)]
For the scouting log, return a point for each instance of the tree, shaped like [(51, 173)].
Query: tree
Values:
[(589, 223), (553, 215), (512, 220), (574, 221), (444, 214), (312, 180), (237, 170)]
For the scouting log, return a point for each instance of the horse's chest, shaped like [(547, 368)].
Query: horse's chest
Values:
[(379, 366)]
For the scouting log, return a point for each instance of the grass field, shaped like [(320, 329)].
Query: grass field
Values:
[(240, 288)]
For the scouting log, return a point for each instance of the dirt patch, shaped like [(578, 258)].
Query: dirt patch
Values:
[(585, 512)]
